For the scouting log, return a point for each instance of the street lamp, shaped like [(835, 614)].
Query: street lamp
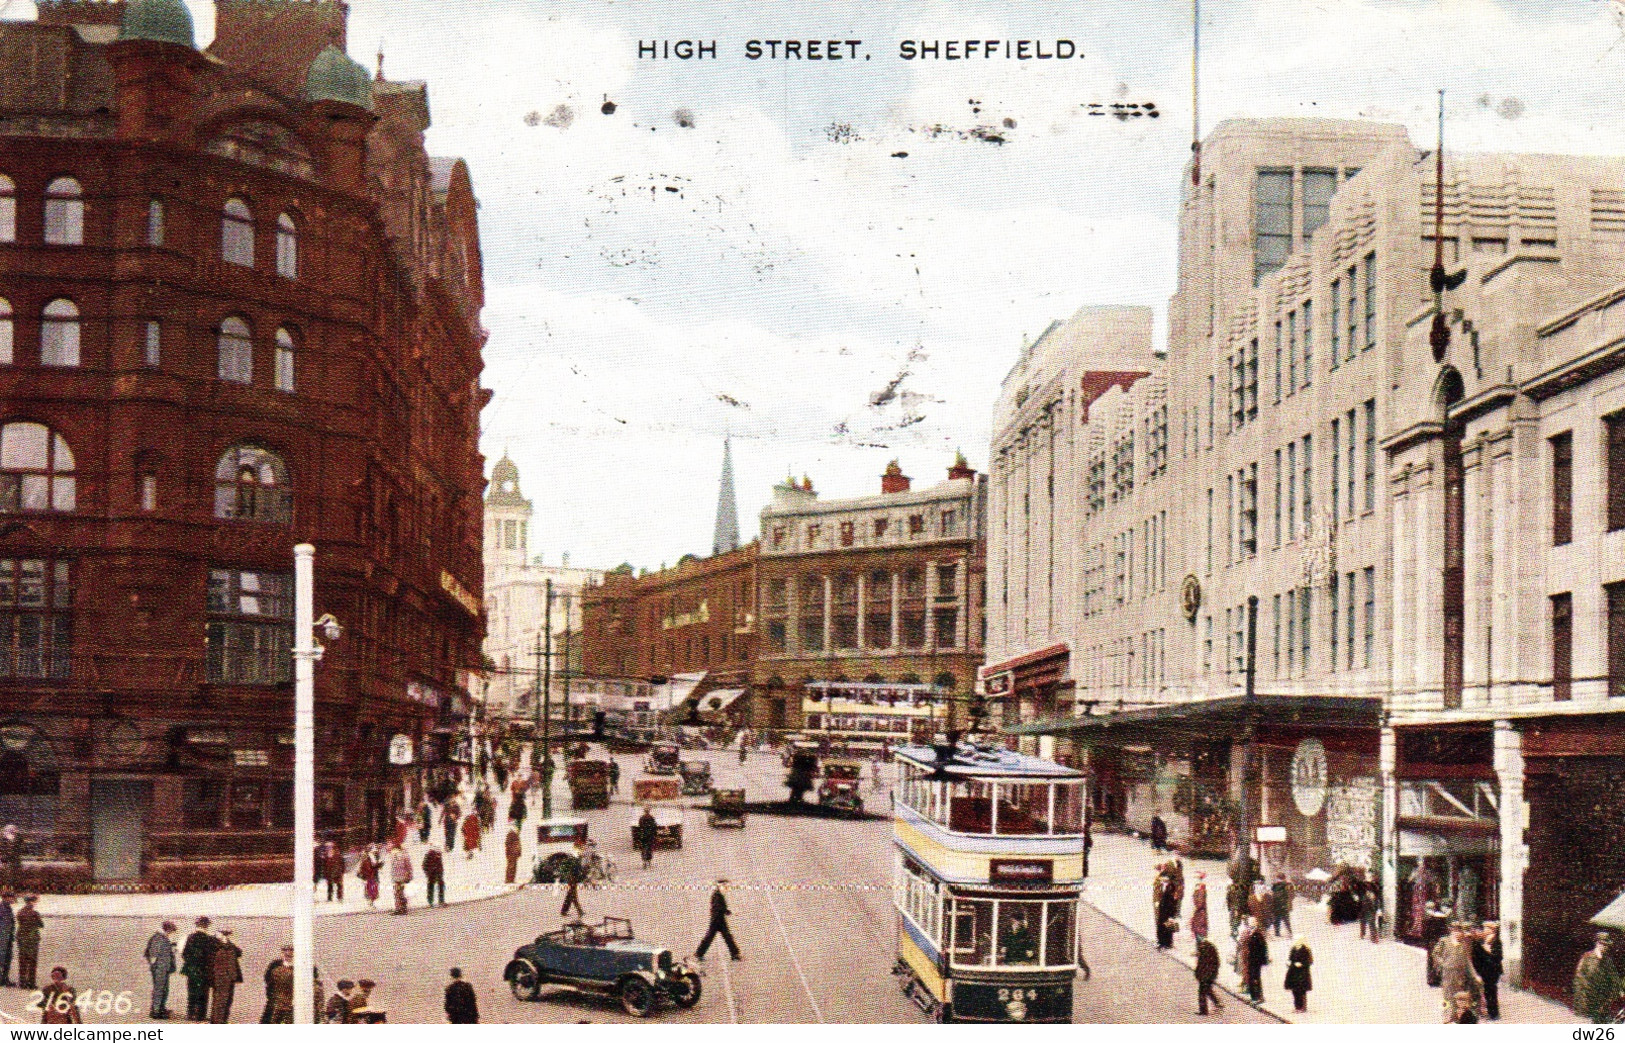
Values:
[(305, 653)]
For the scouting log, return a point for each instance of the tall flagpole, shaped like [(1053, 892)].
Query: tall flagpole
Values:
[(1196, 92)]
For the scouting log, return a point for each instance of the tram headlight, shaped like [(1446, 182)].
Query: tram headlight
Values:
[(1017, 1009)]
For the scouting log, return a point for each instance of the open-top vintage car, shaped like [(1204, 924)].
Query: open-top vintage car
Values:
[(603, 958), (696, 778), (662, 760), (839, 788)]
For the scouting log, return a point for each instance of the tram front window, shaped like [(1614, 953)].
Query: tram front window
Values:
[(973, 933), (1068, 808), (1059, 935), (1023, 809), (1018, 933)]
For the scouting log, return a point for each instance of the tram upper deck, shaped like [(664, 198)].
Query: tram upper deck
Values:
[(989, 804)]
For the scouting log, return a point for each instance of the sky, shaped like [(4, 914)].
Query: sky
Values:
[(836, 262)]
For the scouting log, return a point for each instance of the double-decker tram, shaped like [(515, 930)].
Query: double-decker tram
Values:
[(989, 864)]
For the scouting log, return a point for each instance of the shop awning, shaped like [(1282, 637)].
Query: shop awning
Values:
[(1612, 915), (1216, 716)]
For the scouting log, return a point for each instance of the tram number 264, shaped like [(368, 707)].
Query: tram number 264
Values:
[(1006, 995)]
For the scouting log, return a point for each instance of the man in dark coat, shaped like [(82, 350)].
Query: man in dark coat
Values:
[(160, 957), (1207, 972), (1281, 904), (719, 924), (1159, 833), (30, 924), (462, 1006), (279, 990), (1370, 900), (225, 971), (511, 849), (1167, 897), (645, 837), (1255, 953), (337, 1011), (197, 957), (571, 875), (8, 925), (1298, 980), (434, 874), (1488, 962), (449, 816)]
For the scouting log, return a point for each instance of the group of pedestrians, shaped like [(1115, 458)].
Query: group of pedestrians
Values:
[(20, 930), (1468, 965)]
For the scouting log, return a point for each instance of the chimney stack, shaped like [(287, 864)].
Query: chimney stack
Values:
[(894, 480)]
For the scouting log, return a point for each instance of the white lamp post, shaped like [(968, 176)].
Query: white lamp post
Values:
[(305, 654)]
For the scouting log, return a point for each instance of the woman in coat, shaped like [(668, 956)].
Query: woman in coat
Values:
[(1199, 925), (471, 834), (1298, 981), (368, 869)]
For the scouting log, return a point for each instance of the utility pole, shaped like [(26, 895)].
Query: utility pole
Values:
[(1249, 763), (547, 707), (569, 718), (305, 655), (536, 710)]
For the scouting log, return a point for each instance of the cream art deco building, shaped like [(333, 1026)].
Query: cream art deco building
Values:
[(1433, 539)]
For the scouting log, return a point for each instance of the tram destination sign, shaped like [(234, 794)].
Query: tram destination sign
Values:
[(1021, 870)]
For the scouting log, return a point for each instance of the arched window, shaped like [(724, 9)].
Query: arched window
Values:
[(59, 334), (237, 234), (236, 351), (251, 484), (287, 247), (36, 469), (284, 360), (8, 210), (6, 357), (64, 213)]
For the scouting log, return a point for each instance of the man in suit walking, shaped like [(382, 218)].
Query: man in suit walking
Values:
[(160, 957), (197, 957), (719, 924), (30, 924), (462, 1006)]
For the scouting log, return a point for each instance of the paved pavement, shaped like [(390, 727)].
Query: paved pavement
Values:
[(812, 913), (1355, 981)]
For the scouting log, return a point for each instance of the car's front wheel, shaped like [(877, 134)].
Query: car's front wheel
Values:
[(686, 990), (637, 998), (526, 984)]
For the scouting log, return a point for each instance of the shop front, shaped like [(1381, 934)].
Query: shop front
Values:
[(1033, 686), (1575, 786), (1312, 792), (1447, 841)]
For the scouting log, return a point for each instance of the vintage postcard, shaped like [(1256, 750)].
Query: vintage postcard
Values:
[(705, 513)]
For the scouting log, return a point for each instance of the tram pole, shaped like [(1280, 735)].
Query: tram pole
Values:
[(1249, 763)]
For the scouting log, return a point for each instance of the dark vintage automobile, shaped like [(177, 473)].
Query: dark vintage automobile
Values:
[(839, 789), (696, 777), (727, 808), (663, 759), (605, 959)]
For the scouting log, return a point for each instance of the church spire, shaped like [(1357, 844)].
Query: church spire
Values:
[(727, 532)]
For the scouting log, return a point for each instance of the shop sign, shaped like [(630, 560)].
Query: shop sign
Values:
[(1190, 597), (459, 593), (1271, 835), (1021, 870), (1309, 777), (400, 750)]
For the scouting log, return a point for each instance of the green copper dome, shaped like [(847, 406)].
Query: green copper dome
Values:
[(334, 77), (165, 21)]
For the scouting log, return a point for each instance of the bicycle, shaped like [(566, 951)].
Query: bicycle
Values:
[(596, 870)]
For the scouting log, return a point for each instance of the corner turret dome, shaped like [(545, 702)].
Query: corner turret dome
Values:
[(333, 76), (163, 21)]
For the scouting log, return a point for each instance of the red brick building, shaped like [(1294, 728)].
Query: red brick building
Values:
[(239, 310), (698, 616)]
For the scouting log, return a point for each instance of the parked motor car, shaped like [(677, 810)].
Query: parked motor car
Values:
[(839, 789), (663, 759), (604, 958)]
